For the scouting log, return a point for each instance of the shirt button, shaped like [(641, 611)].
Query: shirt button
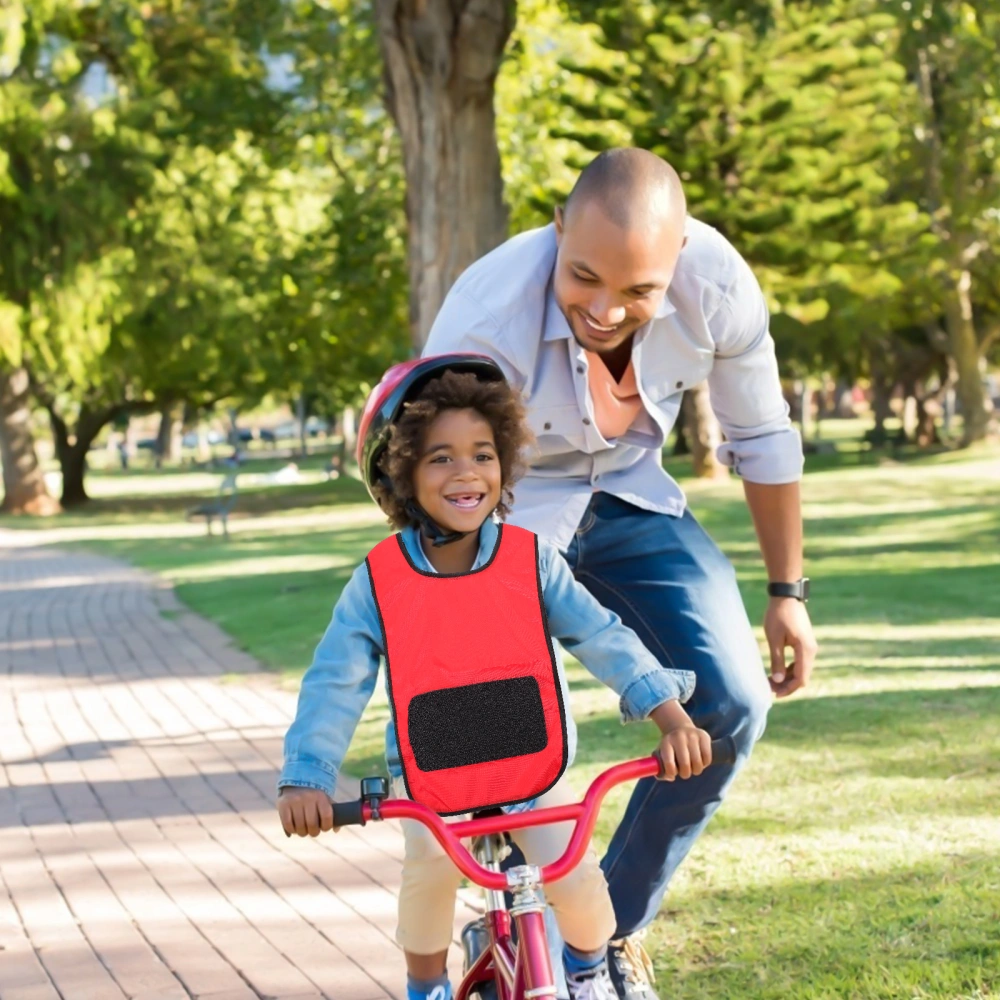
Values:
[(680, 385), (547, 427), (586, 420), (579, 369), (597, 476)]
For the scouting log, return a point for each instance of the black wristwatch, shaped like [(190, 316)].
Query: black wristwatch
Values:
[(799, 590)]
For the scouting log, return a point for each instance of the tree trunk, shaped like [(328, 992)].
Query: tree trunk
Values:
[(963, 346), (300, 412), (72, 454), (805, 409), (24, 486), (71, 461), (703, 433), (965, 354), (882, 386), (168, 437), (441, 59), (926, 430), (681, 446), (74, 471)]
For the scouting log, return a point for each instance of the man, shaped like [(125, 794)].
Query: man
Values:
[(603, 320)]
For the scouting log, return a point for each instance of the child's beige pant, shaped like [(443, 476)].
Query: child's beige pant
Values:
[(580, 901)]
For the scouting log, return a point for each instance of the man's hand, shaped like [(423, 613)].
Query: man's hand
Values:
[(305, 811), (787, 623), (684, 752)]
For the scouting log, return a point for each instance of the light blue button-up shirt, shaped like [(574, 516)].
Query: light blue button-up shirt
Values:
[(712, 324), (345, 667)]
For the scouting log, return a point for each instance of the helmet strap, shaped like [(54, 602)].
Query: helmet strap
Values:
[(431, 528)]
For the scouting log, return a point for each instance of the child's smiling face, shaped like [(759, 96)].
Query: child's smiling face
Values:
[(457, 480)]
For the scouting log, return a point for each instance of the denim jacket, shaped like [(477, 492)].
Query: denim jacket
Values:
[(345, 668)]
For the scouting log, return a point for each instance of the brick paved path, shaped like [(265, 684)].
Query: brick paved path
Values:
[(140, 854)]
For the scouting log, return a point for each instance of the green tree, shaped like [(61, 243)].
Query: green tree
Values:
[(784, 122), (951, 50), (347, 287), (92, 98), (250, 236), (60, 196), (782, 133), (540, 163)]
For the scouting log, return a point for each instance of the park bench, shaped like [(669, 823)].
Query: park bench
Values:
[(218, 507)]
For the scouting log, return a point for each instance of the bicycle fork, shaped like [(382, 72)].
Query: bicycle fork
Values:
[(504, 970)]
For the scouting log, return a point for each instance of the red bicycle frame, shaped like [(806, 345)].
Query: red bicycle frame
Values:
[(521, 970)]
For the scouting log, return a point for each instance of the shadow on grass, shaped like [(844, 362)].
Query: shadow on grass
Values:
[(886, 719), (926, 930), (874, 729), (178, 554), (252, 500), (906, 596)]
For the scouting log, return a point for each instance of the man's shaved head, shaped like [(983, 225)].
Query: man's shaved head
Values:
[(632, 187), (619, 240)]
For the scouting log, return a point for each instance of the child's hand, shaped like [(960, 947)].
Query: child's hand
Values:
[(305, 811), (684, 752)]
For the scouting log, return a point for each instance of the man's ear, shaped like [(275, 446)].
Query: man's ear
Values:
[(557, 217)]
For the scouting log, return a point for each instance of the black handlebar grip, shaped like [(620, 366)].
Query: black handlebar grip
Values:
[(724, 750), (348, 813)]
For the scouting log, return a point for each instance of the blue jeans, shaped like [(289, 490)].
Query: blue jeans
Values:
[(669, 582)]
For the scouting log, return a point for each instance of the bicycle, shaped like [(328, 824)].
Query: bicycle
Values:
[(516, 969)]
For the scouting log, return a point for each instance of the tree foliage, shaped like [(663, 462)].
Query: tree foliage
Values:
[(195, 211), (784, 126)]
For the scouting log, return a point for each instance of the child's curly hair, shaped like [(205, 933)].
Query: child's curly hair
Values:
[(496, 402)]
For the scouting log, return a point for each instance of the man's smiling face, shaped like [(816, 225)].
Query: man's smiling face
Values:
[(609, 280)]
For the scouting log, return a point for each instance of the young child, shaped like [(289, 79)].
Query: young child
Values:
[(441, 446)]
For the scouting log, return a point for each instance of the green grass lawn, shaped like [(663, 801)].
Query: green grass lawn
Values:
[(858, 855)]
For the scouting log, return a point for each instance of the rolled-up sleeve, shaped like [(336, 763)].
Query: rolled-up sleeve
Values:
[(762, 446), (610, 650)]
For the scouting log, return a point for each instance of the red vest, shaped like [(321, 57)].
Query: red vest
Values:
[(473, 686)]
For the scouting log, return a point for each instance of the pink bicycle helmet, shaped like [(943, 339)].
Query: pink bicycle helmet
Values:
[(400, 384)]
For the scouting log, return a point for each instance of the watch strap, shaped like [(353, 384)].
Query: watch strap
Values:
[(799, 589)]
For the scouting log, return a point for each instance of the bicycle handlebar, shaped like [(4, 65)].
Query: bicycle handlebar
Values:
[(450, 835)]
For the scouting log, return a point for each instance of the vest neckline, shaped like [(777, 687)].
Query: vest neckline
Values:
[(449, 576)]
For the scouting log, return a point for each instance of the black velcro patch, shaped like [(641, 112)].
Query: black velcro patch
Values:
[(477, 723)]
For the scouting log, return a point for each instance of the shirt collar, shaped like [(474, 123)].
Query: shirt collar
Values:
[(487, 543), (556, 327), (666, 307)]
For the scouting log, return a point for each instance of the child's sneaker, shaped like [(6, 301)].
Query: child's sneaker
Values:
[(439, 991), (591, 984)]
